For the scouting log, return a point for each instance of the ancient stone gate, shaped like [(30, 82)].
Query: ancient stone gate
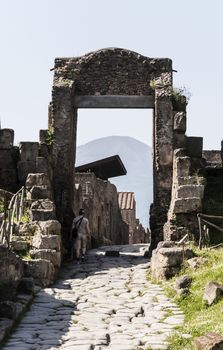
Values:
[(112, 78)]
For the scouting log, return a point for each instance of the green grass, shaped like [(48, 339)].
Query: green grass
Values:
[(199, 318)]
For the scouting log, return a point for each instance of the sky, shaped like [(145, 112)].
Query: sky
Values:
[(34, 32)]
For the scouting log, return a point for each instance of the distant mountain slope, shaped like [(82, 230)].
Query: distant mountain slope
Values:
[(137, 159)]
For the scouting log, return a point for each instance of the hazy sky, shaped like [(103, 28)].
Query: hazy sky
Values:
[(34, 32)]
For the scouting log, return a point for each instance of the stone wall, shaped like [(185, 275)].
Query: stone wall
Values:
[(8, 161), (129, 216), (127, 205), (213, 158), (100, 201), (140, 235), (36, 238), (16, 162)]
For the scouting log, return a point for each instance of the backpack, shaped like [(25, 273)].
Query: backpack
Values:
[(75, 227)]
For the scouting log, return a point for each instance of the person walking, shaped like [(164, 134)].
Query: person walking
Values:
[(80, 234)]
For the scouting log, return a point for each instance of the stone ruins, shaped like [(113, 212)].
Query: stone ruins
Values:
[(186, 178)]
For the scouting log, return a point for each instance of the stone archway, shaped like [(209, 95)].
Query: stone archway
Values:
[(112, 78)]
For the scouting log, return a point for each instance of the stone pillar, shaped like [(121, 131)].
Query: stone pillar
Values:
[(63, 123), (162, 162)]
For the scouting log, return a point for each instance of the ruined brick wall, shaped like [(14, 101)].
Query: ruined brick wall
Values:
[(99, 198), (111, 71), (140, 235)]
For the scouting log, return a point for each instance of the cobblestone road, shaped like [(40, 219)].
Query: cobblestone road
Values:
[(105, 303)]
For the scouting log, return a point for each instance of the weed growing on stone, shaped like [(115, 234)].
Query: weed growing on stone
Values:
[(50, 137), (25, 255), (25, 218), (181, 94)]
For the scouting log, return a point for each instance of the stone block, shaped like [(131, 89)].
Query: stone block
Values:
[(191, 180), (209, 341), (41, 165), (25, 168), (180, 122), (6, 138), (187, 205), (26, 285), (44, 150), (213, 292), (213, 157), (182, 167), (40, 241), (179, 140), (6, 159), (29, 151), (11, 267), (19, 245), (164, 273), (167, 261), (171, 256), (43, 210), (194, 146), (43, 135), (47, 254), (8, 179), (50, 227), (190, 191), (183, 282), (39, 192), (41, 270), (37, 179), (174, 232)]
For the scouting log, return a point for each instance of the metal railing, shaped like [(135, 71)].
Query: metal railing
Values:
[(14, 213), (204, 232)]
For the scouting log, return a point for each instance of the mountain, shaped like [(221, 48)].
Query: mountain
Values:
[(137, 158)]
